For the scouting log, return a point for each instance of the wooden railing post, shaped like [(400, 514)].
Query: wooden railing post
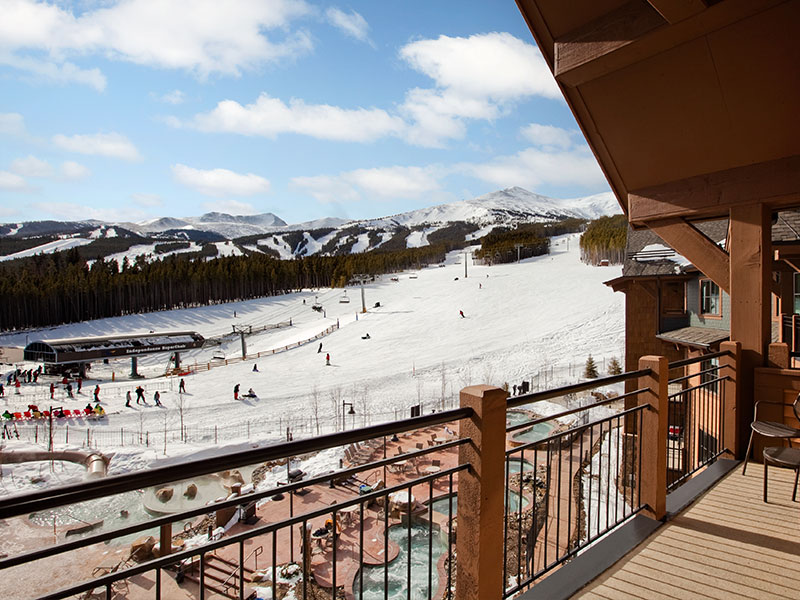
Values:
[(480, 495), (653, 436), (730, 367)]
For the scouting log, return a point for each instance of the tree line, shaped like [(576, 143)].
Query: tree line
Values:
[(504, 244), (58, 288), (605, 239)]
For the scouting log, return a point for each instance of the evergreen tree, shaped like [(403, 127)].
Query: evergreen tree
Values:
[(590, 371), (614, 367)]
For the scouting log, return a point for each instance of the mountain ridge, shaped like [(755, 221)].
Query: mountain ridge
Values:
[(463, 220)]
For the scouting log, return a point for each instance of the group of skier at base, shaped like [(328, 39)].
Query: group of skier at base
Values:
[(250, 393)]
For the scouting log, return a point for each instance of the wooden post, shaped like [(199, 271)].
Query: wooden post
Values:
[(653, 436), (749, 245), (480, 495), (730, 367), (165, 539), (778, 356)]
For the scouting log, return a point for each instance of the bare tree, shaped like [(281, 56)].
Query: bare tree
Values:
[(315, 405), (363, 404), (444, 385)]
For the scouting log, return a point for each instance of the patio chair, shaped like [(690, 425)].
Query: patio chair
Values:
[(772, 429), (786, 458)]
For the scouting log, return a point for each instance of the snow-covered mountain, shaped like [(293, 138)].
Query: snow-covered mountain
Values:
[(455, 222)]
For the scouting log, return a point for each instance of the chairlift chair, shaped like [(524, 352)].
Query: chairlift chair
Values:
[(344, 299)]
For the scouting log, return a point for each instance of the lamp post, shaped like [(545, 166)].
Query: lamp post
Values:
[(352, 411)]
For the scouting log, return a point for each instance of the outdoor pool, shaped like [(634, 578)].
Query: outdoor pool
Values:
[(535, 433), (515, 465), (396, 584), (441, 505)]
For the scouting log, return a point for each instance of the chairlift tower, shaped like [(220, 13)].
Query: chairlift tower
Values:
[(361, 279), (517, 246), (243, 330)]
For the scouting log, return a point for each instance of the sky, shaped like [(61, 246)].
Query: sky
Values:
[(135, 109)]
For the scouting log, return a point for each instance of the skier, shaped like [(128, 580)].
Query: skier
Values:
[(140, 395), (255, 368), (97, 393), (80, 384), (236, 392), (16, 386), (461, 312), (2, 390), (328, 360), (157, 398), (480, 286), (320, 348), (128, 398), (52, 389), (234, 314), (69, 390), (182, 386)]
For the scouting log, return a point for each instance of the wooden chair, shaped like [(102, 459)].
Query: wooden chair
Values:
[(771, 429)]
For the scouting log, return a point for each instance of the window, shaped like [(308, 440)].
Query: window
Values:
[(797, 292), (709, 298)]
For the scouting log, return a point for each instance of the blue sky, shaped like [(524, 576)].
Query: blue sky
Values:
[(135, 109)]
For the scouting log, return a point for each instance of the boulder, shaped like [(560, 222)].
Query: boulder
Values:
[(142, 548), (165, 494), (191, 491)]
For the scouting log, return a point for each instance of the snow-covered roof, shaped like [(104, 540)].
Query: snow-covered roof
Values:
[(70, 350)]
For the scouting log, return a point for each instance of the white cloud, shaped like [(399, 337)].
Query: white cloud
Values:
[(327, 188), (12, 124), (475, 78), (147, 199), (78, 212), (173, 97), (63, 72), (220, 182), (491, 65), (114, 145), (547, 136), (204, 38), (73, 171), (269, 117), (12, 182), (231, 207), (384, 183), (534, 167), (31, 166), (352, 24)]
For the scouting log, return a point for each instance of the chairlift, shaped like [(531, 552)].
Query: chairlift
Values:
[(344, 299), (316, 306)]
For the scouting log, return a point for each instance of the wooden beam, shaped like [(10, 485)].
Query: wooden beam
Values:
[(702, 252), (583, 55), (775, 183), (677, 10), (604, 35)]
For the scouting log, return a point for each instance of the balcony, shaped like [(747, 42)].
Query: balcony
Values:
[(638, 490)]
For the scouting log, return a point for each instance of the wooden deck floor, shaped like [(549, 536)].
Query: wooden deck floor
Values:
[(727, 545)]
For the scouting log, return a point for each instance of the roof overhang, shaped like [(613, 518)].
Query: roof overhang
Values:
[(701, 338), (690, 107)]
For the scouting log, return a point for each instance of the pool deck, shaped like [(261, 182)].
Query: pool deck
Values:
[(352, 547)]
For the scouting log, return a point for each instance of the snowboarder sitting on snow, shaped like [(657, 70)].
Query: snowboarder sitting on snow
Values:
[(99, 411), (250, 394), (365, 337)]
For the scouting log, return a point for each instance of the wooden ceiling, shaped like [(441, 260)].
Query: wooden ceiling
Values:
[(690, 106)]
